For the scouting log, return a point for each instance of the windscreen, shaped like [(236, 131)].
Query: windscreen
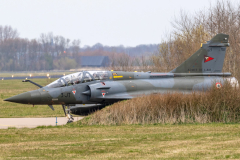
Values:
[(79, 77), (99, 75), (67, 80)]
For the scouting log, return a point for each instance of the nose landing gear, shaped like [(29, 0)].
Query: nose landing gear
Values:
[(68, 113)]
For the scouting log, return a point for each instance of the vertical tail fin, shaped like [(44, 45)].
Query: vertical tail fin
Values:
[(208, 59)]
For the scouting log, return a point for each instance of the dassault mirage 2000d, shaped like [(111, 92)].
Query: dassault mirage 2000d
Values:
[(197, 73)]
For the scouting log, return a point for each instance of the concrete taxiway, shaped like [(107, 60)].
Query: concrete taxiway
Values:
[(33, 122)]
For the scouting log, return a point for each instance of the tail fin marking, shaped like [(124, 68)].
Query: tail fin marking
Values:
[(208, 59)]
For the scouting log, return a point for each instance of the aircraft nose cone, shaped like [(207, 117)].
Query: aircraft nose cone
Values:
[(21, 98), (35, 97)]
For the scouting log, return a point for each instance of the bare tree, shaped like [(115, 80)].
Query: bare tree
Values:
[(192, 30)]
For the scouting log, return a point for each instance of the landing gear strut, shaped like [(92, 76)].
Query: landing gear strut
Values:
[(68, 113)]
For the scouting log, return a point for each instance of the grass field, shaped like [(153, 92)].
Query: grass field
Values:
[(10, 88), (76, 141), (186, 141)]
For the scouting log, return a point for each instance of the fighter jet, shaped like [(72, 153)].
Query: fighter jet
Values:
[(197, 73)]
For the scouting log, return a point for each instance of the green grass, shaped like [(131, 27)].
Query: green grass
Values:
[(9, 88), (188, 141)]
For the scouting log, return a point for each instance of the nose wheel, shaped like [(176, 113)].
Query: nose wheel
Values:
[(68, 113)]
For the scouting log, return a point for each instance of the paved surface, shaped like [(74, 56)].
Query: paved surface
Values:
[(33, 122)]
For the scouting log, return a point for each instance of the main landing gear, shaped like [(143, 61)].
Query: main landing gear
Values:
[(67, 113)]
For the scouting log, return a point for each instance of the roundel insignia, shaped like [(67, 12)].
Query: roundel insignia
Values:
[(103, 94), (218, 85), (74, 91), (207, 58)]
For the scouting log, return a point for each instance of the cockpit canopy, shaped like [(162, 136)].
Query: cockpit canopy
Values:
[(79, 77)]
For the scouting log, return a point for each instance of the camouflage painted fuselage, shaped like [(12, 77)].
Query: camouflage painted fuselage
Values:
[(122, 86)]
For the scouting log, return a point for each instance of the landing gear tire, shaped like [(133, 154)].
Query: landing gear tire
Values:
[(69, 121)]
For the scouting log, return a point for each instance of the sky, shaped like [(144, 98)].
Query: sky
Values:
[(109, 22)]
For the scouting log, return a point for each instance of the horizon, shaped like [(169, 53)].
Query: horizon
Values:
[(111, 23)]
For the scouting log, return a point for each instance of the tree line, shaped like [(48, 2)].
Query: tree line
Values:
[(44, 53), (51, 51), (190, 30)]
